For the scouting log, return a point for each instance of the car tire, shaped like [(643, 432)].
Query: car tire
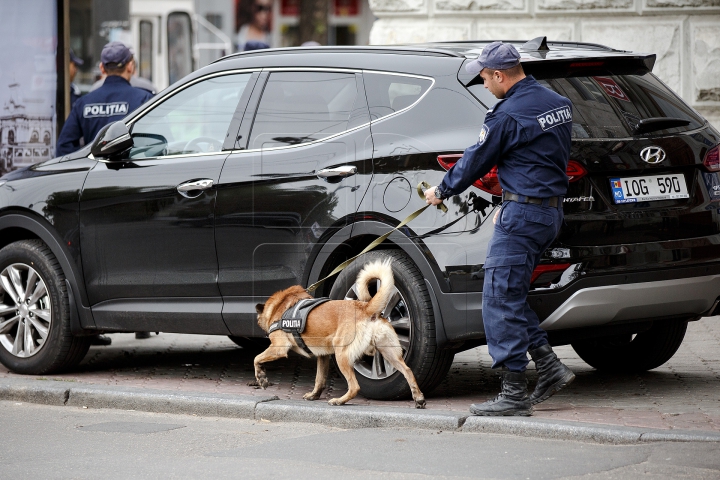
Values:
[(428, 363), (625, 353), (251, 344), (30, 265)]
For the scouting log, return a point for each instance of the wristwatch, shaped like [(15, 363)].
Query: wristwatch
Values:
[(438, 193)]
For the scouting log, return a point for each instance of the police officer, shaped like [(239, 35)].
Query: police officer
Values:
[(110, 103), (527, 135), (75, 62)]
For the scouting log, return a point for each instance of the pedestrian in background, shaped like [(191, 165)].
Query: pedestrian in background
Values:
[(527, 135), (75, 62), (109, 103)]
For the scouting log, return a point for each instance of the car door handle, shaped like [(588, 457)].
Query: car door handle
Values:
[(194, 188), (341, 171)]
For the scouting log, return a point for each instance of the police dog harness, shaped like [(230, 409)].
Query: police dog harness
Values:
[(293, 320)]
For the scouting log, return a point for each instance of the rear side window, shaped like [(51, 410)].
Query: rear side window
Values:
[(390, 93), (301, 107), (611, 106)]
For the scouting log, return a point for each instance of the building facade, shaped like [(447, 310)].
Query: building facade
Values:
[(685, 34)]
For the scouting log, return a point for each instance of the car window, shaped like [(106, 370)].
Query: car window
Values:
[(611, 106), (195, 120), (388, 93), (300, 107)]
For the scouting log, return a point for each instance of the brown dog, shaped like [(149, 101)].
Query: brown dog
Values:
[(346, 328)]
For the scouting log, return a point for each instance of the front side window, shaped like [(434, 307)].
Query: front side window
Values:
[(195, 120), (301, 107), (389, 93)]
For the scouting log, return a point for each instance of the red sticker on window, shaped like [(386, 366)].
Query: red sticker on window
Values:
[(612, 88)]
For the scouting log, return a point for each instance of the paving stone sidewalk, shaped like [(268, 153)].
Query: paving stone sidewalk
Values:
[(683, 394)]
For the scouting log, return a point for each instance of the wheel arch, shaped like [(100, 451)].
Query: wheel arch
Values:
[(352, 239), (16, 226)]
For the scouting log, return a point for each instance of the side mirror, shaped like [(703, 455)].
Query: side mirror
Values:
[(111, 141)]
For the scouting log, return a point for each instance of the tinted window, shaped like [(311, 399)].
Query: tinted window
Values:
[(300, 107), (611, 106), (387, 93), (195, 120)]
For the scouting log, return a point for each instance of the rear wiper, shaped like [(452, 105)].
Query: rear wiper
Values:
[(659, 123)]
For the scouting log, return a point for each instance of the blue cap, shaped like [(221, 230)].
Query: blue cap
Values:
[(75, 59), (496, 55), (115, 54)]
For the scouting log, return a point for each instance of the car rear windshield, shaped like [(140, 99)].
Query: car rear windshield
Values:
[(611, 106)]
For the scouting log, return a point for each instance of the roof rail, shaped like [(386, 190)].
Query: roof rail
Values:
[(403, 49)]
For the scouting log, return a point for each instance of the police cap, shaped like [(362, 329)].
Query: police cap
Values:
[(497, 56), (115, 55)]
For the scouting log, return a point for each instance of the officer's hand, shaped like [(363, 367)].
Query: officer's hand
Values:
[(497, 213), (430, 197)]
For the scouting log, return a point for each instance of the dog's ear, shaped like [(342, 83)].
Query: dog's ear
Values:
[(259, 308)]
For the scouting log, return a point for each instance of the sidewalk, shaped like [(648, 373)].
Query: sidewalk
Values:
[(683, 394)]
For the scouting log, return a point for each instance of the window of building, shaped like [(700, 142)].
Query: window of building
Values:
[(179, 36), (300, 107)]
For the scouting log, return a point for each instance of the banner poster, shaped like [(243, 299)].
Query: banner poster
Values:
[(28, 82)]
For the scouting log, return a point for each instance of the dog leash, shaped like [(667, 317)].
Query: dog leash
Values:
[(379, 240)]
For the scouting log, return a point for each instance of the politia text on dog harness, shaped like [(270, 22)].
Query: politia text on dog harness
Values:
[(293, 319)]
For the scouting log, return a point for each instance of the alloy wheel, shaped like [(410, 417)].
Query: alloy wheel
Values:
[(396, 311), (25, 311)]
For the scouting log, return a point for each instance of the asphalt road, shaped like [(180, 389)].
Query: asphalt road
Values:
[(66, 442)]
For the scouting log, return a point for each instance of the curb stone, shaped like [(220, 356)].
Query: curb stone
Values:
[(589, 432), (163, 401), (52, 392), (353, 416)]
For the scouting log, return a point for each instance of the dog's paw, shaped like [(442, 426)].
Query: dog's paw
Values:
[(311, 396), (253, 383), (263, 382), (335, 401), (420, 402)]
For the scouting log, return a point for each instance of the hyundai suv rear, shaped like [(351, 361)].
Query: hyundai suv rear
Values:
[(270, 168)]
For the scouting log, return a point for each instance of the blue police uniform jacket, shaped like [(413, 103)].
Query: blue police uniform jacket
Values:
[(527, 135), (109, 103)]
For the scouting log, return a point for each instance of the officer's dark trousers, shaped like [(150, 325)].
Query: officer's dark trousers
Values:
[(522, 233)]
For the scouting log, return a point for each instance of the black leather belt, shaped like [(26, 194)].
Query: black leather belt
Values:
[(550, 201)]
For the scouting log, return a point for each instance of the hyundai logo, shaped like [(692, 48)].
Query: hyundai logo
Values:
[(652, 155)]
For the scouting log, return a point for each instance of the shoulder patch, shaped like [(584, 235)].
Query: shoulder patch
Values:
[(553, 118), (483, 134), (93, 110)]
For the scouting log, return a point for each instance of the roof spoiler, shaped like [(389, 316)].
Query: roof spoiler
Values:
[(614, 64)]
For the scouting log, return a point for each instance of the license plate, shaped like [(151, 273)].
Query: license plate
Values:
[(648, 189)]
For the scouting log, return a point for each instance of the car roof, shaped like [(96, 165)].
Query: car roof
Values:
[(467, 49)]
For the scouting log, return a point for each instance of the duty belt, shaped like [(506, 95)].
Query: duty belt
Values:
[(549, 201), (293, 320)]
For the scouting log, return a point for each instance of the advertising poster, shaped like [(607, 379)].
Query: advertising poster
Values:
[(28, 82)]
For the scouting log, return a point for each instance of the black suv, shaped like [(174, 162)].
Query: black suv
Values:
[(267, 169)]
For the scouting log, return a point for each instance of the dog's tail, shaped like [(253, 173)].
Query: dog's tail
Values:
[(378, 270)]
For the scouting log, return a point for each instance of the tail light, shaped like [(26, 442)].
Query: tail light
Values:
[(490, 182), (548, 272), (712, 159)]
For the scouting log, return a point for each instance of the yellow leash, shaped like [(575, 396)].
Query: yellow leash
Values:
[(382, 238)]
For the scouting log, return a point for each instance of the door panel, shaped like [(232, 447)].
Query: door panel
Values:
[(273, 209)]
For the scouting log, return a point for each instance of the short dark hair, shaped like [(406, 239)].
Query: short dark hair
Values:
[(515, 71), (113, 69)]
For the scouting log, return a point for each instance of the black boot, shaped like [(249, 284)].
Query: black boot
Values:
[(512, 400), (553, 375)]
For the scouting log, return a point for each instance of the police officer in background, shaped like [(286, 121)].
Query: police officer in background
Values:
[(75, 62), (527, 135), (109, 103)]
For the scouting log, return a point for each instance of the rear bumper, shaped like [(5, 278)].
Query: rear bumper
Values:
[(632, 301)]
